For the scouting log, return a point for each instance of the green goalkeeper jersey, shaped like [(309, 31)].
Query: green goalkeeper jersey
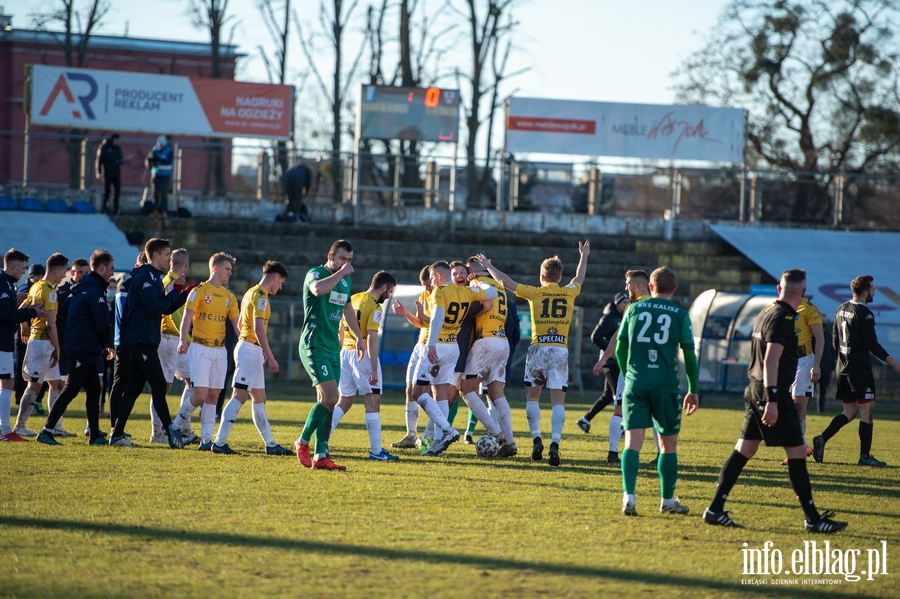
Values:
[(322, 314), (653, 330)]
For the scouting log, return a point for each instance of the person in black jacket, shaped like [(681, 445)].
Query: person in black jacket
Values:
[(14, 263), (145, 305), (80, 268), (109, 159), (87, 340), (828, 364), (605, 330)]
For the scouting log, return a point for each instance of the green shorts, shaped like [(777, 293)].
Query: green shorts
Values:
[(643, 408), (321, 366)]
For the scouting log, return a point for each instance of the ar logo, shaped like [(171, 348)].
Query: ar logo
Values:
[(62, 87)]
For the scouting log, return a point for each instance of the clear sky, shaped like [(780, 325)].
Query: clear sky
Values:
[(604, 50)]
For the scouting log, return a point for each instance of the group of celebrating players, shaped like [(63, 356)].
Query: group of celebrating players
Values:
[(165, 328)]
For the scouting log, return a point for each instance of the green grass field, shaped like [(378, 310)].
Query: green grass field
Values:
[(80, 521)]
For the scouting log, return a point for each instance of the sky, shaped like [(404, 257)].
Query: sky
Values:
[(599, 50)]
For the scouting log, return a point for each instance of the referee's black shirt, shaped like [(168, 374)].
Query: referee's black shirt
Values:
[(775, 324), (853, 337)]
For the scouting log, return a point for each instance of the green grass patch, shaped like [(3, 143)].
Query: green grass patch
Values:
[(80, 521)]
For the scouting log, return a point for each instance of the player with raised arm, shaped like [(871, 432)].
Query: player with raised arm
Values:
[(647, 353), (251, 354), (210, 307), (854, 338), (419, 321), (326, 300), (547, 362), (364, 376), (41, 361)]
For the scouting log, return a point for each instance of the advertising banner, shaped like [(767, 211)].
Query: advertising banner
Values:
[(124, 101), (650, 131)]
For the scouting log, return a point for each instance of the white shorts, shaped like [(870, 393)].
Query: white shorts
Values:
[(249, 367), (36, 366), (440, 373), (802, 383), (487, 359), (208, 366), (355, 374), (6, 364), (173, 364), (620, 390), (417, 352), (547, 366)]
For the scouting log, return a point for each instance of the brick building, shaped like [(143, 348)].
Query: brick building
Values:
[(49, 156)]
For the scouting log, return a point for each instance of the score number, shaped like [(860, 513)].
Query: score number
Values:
[(432, 97)]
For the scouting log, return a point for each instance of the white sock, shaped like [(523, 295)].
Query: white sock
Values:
[(492, 410), (615, 432), (656, 439), (504, 417), (412, 419), (52, 394), (427, 403), (803, 430), (373, 427), (440, 431), (155, 420), (429, 429), (262, 424), (183, 418), (533, 413), (229, 417), (26, 406), (207, 421), (481, 412), (336, 416), (5, 406), (557, 420), (186, 396)]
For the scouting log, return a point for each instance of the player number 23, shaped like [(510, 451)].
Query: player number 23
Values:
[(662, 335)]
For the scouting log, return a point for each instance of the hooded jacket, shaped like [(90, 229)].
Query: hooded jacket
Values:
[(87, 317), (145, 305), (607, 326), (10, 315)]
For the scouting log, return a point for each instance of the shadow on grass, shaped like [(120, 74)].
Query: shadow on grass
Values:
[(663, 580)]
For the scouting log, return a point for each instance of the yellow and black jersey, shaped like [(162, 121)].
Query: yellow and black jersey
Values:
[(42, 292), (369, 315), (455, 300), (213, 307), (255, 304), (552, 307)]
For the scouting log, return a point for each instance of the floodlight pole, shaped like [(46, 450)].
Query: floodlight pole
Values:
[(452, 198), (27, 144), (355, 184)]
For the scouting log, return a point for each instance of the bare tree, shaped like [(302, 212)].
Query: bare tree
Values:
[(77, 28), (279, 31), (334, 17), (490, 39), (212, 15)]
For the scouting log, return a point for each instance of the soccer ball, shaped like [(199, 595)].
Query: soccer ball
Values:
[(487, 446)]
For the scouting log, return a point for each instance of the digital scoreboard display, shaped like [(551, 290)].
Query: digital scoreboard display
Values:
[(411, 113)]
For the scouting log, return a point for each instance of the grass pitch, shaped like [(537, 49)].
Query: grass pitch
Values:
[(80, 521)]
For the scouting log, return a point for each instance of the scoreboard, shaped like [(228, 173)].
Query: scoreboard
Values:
[(412, 113)]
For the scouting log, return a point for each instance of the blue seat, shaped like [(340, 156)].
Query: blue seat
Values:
[(31, 204), (386, 357), (403, 356), (7, 203), (82, 207), (56, 205)]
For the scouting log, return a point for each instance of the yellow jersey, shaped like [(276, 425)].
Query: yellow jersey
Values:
[(42, 292), (492, 323), (455, 300), (168, 326), (369, 315), (552, 307), (255, 304), (807, 314), (213, 307), (425, 300)]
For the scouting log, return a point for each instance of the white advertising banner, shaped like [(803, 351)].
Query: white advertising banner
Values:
[(126, 101), (651, 131)]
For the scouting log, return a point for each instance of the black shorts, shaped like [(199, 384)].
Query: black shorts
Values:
[(853, 388), (786, 431)]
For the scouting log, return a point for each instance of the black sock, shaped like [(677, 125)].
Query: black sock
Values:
[(800, 483), (865, 438), (837, 424), (731, 470), (601, 403)]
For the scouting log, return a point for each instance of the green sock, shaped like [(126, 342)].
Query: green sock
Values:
[(323, 432), (316, 414), (453, 410), (473, 422), (667, 466), (631, 461)]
